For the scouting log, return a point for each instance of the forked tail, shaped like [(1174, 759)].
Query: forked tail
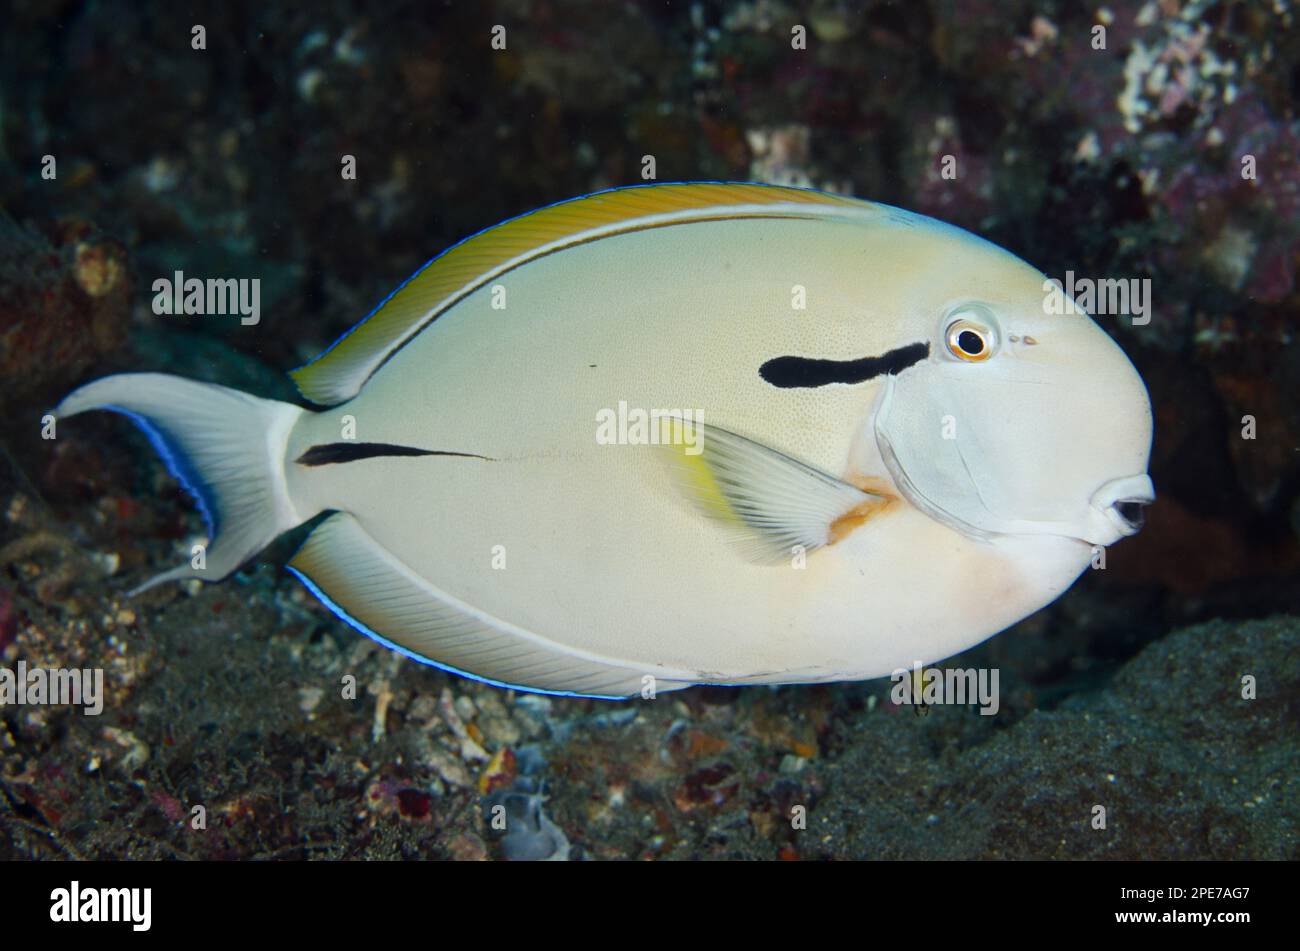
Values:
[(227, 448)]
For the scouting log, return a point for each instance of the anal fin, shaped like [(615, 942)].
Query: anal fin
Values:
[(380, 596)]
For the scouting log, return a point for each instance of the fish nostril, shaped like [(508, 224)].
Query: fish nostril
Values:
[(1132, 512)]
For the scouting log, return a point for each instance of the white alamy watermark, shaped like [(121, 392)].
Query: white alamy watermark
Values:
[(633, 426), (1100, 297), (41, 686), (215, 297), (77, 904), (952, 685)]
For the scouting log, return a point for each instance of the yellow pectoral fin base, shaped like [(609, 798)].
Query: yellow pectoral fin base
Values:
[(776, 507), (368, 587), (339, 373)]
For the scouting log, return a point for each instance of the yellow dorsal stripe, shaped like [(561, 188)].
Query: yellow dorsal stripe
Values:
[(340, 372)]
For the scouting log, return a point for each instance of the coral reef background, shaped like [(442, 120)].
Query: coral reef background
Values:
[(1171, 152)]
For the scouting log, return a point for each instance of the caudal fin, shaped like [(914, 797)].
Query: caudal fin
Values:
[(227, 448)]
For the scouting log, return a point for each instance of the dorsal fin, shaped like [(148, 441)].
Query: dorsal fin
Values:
[(340, 372)]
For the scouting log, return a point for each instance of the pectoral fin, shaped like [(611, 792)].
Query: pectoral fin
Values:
[(774, 505)]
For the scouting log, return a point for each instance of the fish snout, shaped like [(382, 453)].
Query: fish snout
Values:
[(1117, 508)]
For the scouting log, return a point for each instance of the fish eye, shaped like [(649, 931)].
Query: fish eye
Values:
[(970, 340)]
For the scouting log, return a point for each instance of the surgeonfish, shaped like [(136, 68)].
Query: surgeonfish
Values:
[(676, 434)]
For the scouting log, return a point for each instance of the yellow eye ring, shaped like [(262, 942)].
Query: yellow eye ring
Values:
[(970, 341)]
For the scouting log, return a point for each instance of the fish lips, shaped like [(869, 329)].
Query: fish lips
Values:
[(1116, 509)]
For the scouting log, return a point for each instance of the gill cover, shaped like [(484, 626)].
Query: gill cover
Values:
[(1021, 443)]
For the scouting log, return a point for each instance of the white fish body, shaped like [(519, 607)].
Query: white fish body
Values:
[(829, 530)]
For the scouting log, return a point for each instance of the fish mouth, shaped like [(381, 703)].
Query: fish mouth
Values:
[(1117, 508)]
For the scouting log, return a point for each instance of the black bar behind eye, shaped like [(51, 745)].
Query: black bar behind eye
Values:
[(789, 372)]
